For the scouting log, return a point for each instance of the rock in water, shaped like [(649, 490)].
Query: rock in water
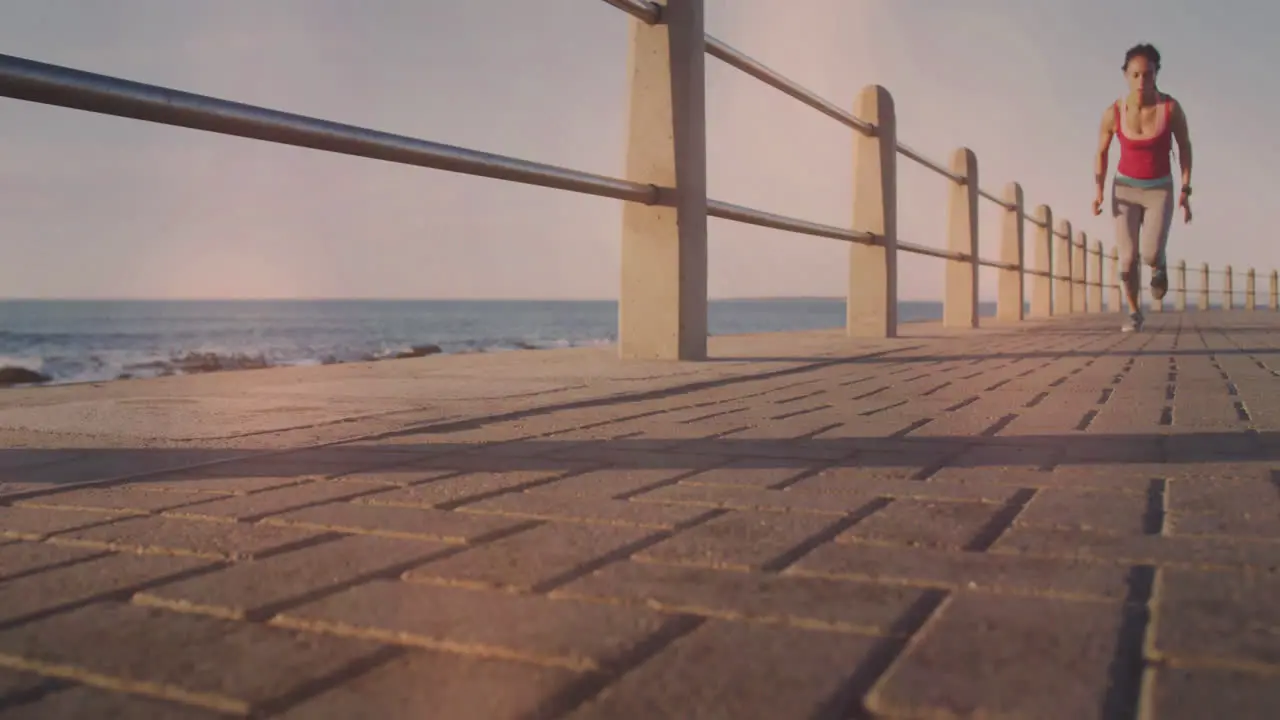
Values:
[(10, 375), (418, 351)]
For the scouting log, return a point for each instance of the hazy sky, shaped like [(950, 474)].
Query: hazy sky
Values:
[(94, 206)]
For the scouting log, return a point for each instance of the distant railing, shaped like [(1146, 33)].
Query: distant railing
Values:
[(1230, 297), (663, 298)]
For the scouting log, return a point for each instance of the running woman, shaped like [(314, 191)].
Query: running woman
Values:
[(1146, 123)]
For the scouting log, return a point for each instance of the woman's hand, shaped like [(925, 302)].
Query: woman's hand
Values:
[(1097, 202), (1184, 202)]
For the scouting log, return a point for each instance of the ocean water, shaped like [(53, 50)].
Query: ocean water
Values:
[(80, 340)]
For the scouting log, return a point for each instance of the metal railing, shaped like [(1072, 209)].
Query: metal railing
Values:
[(1064, 279)]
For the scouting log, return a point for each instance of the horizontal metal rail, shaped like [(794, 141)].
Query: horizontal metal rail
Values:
[(1002, 203), (722, 51), (38, 82), (934, 252), (907, 151), (1002, 265), (647, 12), (741, 61), (727, 211)]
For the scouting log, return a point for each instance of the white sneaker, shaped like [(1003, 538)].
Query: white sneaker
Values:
[(1134, 323)]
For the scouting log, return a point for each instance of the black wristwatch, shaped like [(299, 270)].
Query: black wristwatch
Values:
[(1186, 190)]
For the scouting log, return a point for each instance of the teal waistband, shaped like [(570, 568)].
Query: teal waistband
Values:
[(1144, 183)]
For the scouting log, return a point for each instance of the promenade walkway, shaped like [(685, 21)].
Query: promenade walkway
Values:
[(1042, 520)]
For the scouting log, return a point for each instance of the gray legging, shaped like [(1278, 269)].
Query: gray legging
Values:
[(1143, 217)]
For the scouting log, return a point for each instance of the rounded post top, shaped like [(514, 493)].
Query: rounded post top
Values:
[(1097, 246), (1064, 227), (1013, 194), (874, 105), (964, 162), (1045, 215), (1182, 264)]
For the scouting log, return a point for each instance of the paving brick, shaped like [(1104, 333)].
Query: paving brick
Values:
[(750, 474), (532, 557), (230, 541), (842, 605), (1137, 549), (1243, 507), (1001, 573), (923, 523), (216, 664), (1229, 616), (1258, 525), (456, 489), (817, 495), (984, 458), (213, 481), (80, 701), (604, 484), (442, 686), (16, 685), (732, 670), (333, 460), (562, 633), (740, 540), (66, 585), (1198, 693), (35, 523), (395, 522), (21, 558), (478, 462), (106, 464), (1099, 511), (113, 500), (247, 589), (270, 502), (1008, 657), (397, 476), (749, 498), (542, 506)]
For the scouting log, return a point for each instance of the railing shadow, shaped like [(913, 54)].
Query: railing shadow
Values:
[(36, 472)]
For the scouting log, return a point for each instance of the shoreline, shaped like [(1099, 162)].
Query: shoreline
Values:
[(417, 351)]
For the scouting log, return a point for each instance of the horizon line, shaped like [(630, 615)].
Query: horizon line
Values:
[(318, 298)]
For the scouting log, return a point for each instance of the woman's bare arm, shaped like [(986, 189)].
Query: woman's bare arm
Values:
[(1106, 131), (1182, 135)]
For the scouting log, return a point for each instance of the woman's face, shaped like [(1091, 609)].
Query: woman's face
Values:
[(1141, 74)]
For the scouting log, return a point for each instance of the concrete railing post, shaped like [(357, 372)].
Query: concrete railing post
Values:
[(1275, 290), (1011, 292), (1204, 286), (1095, 278), (1116, 302), (1250, 290), (1228, 289), (1080, 272), (872, 308), (662, 310), (1062, 270), (1180, 296), (960, 307), (1042, 285)]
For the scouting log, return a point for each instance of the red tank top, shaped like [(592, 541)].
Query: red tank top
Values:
[(1145, 158)]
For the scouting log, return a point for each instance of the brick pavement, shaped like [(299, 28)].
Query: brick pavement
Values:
[(1059, 522)]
